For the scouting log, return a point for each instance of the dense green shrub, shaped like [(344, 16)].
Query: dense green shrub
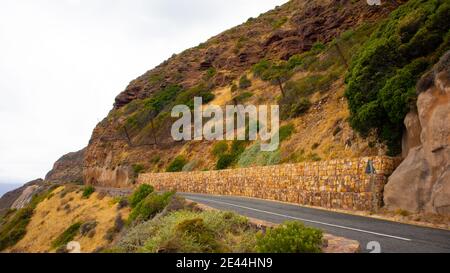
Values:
[(291, 237), (318, 47), (228, 159), (286, 131), (244, 82), (382, 77), (149, 207), (67, 236), (137, 169), (220, 148), (88, 191), (224, 161), (162, 98), (186, 231), (148, 109), (261, 68), (177, 164), (139, 194), (197, 231)]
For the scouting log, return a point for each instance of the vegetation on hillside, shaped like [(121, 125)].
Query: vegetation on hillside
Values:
[(175, 226), (67, 236), (14, 224), (382, 77)]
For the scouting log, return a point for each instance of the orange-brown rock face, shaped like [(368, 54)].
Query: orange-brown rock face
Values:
[(422, 182), (235, 50), (287, 30), (68, 169)]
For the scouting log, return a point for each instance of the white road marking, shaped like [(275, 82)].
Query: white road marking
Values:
[(304, 220)]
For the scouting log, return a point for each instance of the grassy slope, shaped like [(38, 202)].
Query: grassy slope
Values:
[(54, 215)]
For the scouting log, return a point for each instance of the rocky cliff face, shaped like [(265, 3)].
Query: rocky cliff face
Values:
[(218, 64), (422, 182), (69, 168), (235, 50)]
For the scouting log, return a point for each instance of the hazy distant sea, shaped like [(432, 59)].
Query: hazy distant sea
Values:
[(4, 188)]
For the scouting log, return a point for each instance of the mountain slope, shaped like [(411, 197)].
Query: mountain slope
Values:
[(135, 137)]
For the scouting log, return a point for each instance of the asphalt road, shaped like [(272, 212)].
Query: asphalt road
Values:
[(391, 237)]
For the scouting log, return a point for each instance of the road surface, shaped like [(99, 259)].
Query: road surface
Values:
[(392, 237)]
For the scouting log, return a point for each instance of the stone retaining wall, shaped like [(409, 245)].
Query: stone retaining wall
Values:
[(340, 184)]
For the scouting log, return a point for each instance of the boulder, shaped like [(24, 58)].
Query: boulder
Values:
[(421, 183)]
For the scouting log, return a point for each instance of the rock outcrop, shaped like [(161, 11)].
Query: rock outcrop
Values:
[(68, 169), (24, 193), (422, 182)]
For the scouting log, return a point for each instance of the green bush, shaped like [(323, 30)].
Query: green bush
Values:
[(224, 161), (148, 109), (197, 231), (291, 237), (286, 131), (149, 207), (228, 159), (137, 169), (261, 67), (242, 97), (318, 47), (296, 109), (220, 148), (177, 164), (187, 97), (67, 236), (244, 82), (87, 192), (12, 231), (383, 74), (139, 194), (210, 73), (295, 101), (187, 231), (253, 156)]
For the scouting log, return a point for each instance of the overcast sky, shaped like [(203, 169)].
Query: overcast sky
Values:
[(62, 62)]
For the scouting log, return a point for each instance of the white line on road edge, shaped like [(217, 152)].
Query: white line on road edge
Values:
[(304, 220)]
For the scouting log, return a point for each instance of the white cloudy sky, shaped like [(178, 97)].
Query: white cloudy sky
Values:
[(62, 62)]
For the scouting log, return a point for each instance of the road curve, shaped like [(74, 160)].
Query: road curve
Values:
[(392, 237)]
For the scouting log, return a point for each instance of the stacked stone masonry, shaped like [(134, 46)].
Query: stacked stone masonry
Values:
[(338, 184)]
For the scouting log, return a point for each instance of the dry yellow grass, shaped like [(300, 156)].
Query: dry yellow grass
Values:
[(222, 96), (53, 216)]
